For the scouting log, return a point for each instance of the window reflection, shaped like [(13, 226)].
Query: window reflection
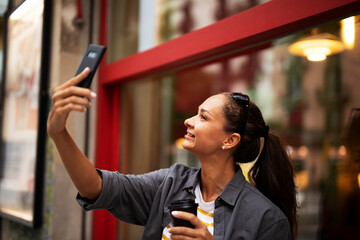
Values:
[(308, 103), (122, 29), (137, 25), (340, 202), (178, 17)]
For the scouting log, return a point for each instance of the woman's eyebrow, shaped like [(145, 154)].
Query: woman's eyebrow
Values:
[(204, 110)]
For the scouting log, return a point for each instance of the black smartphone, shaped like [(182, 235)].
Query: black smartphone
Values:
[(91, 59)]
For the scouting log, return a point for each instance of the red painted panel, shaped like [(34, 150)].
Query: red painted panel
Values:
[(107, 153)]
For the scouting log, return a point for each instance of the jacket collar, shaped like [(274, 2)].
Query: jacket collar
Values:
[(192, 181), (231, 190)]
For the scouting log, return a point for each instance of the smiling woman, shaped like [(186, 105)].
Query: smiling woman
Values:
[(225, 131)]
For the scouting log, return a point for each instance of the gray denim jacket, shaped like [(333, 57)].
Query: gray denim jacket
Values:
[(241, 211)]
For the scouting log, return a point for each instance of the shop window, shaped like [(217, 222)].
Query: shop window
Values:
[(23, 112), (178, 17), (137, 25), (123, 29), (314, 105)]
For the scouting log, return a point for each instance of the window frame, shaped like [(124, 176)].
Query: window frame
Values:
[(280, 17)]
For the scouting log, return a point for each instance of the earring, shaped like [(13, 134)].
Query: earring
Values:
[(223, 147)]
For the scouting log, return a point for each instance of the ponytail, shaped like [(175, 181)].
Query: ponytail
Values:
[(272, 173)]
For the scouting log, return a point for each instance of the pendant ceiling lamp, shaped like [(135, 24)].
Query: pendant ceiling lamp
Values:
[(317, 46)]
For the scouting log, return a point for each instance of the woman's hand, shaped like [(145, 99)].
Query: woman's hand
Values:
[(183, 233), (66, 98)]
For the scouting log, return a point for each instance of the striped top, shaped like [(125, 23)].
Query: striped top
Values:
[(205, 213)]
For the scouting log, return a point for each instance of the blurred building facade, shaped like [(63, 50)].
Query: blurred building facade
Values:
[(165, 57)]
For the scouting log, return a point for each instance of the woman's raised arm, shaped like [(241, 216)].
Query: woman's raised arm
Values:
[(67, 98)]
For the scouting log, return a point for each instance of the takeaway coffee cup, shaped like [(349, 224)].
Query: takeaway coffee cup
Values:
[(185, 205)]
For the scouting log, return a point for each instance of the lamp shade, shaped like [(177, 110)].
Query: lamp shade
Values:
[(317, 47)]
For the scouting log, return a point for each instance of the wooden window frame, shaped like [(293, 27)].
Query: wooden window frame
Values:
[(256, 25)]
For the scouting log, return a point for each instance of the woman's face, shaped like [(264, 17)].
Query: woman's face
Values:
[(205, 131)]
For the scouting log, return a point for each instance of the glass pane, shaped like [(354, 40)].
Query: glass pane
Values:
[(313, 105), (21, 111), (122, 29), (178, 17), (137, 25)]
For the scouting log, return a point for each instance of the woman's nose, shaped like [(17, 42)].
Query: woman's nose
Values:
[(189, 122)]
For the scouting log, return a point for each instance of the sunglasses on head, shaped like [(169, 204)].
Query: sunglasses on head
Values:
[(242, 100)]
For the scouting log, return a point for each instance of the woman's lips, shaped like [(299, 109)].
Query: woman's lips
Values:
[(189, 135)]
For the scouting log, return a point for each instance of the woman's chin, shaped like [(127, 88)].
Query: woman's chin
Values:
[(187, 145)]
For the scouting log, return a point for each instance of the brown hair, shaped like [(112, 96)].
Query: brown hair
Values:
[(273, 172)]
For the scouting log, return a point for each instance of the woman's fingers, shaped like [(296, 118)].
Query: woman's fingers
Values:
[(178, 233), (184, 233), (73, 91), (75, 80), (66, 109), (77, 98), (188, 217), (78, 102), (69, 88)]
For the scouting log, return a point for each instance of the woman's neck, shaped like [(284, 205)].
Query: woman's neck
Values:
[(215, 175)]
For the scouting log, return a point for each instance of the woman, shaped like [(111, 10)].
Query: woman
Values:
[(227, 129)]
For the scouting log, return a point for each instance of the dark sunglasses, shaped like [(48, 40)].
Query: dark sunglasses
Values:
[(242, 100)]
